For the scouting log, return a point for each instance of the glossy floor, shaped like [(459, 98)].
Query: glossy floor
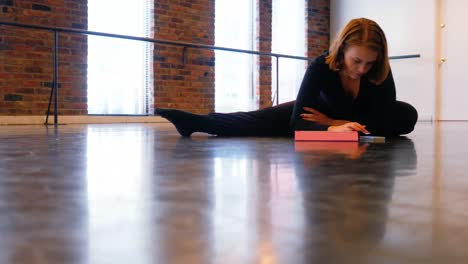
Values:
[(138, 193)]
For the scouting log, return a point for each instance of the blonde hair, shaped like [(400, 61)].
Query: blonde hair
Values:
[(362, 32)]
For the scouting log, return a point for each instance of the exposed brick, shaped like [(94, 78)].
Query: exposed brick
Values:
[(318, 22), (41, 7), (263, 44), (184, 21), (6, 2), (50, 84), (25, 91), (26, 56), (5, 46), (13, 97), (79, 26)]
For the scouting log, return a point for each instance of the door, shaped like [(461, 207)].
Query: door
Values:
[(454, 50)]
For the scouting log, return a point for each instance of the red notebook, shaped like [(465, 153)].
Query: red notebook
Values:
[(323, 146), (326, 136)]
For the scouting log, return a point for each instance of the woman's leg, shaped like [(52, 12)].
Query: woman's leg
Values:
[(271, 121), (396, 121), (407, 116)]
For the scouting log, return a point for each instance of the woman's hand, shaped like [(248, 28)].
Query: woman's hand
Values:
[(350, 126), (337, 122), (316, 116), (319, 118)]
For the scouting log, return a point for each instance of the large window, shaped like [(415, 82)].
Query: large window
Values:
[(234, 28), (289, 37), (119, 71)]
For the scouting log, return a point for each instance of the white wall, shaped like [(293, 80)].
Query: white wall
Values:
[(410, 27), (453, 42)]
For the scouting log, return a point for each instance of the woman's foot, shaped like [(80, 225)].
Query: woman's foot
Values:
[(186, 123)]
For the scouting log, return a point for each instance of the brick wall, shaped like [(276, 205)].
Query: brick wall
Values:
[(26, 57), (318, 27), (317, 14), (191, 86), (188, 86), (263, 44)]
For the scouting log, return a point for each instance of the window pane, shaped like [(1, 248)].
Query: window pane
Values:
[(119, 78), (289, 37), (234, 81)]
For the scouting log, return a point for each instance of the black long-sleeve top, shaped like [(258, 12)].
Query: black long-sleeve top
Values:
[(321, 89)]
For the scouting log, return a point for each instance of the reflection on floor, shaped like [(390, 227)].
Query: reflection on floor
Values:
[(138, 193)]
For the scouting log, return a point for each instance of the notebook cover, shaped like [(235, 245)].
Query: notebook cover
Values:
[(323, 146), (325, 136)]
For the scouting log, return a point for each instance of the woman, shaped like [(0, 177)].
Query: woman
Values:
[(350, 88)]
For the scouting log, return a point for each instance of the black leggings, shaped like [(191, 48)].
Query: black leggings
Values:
[(275, 122)]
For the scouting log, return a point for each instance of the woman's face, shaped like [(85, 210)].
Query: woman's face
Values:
[(358, 60)]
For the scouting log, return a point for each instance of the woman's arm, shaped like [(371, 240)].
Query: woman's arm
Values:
[(320, 118), (308, 95)]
